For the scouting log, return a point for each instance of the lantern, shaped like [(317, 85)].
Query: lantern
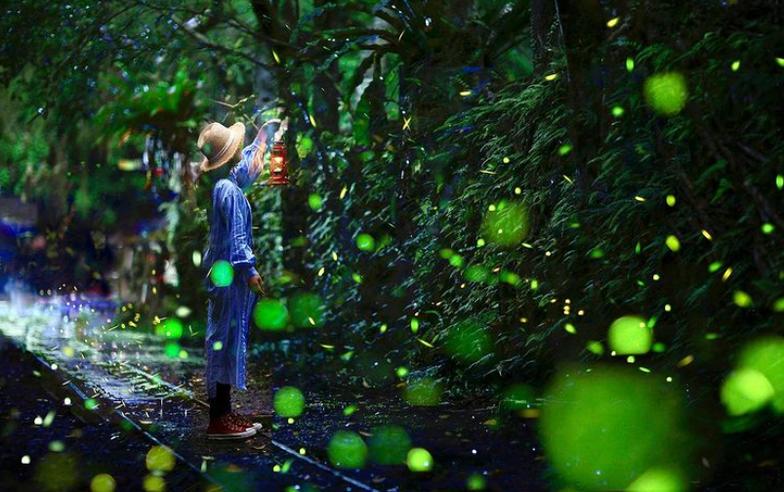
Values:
[(279, 172)]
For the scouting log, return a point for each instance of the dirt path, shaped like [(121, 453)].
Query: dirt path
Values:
[(126, 374)]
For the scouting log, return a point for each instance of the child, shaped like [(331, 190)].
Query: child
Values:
[(229, 307)]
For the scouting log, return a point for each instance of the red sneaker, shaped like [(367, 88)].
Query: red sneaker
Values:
[(226, 427), (246, 421)]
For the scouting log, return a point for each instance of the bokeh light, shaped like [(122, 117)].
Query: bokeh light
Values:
[(172, 350), (419, 460), (389, 445), (306, 310), (160, 459), (315, 202), (658, 480), (745, 390), (468, 341), (476, 482), (270, 314), (424, 392), (476, 273), (289, 402), (57, 472), (666, 93), (366, 242), (630, 335), (506, 223), (153, 483), (222, 273), (103, 482), (603, 429), (346, 449), (169, 328), (766, 355)]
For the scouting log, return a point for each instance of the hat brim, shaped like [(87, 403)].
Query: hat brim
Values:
[(238, 138)]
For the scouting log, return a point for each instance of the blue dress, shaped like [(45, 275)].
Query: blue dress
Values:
[(229, 308)]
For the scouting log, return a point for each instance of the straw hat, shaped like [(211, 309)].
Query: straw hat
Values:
[(219, 144)]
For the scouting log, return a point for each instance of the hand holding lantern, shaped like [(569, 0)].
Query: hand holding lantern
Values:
[(278, 153)]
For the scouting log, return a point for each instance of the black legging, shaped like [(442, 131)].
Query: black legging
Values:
[(221, 404)]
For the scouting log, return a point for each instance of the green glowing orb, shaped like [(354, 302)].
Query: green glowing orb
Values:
[(476, 273), (56, 472), (419, 460), (90, 404), (603, 429), (103, 482), (169, 328), (423, 392), (666, 93), (659, 480), (289, 402), (468, 341), (629, 335), (766, 355), (389, 445), (222, 273), (506, 224), (270, 314), (745, 391), (172, 350), (153, 483), (346, 449), (315, 202), (742, 299), (446, 253), (673, 243), (476, 482), (365, 242), (306, 310), (510, 278), (160, 459)]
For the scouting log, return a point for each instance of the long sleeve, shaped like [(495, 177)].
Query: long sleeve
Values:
[(236, 214)]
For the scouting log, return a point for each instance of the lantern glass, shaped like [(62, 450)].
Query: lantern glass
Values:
[(278, 165)]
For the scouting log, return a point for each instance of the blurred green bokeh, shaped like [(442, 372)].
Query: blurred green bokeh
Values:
[(389, 445), (346, 449), (746, 390), (366, 242), (169, 328), (468, 341), (629, 335), (419, 460), (506, 223), (766, 355), (666, 93), (289, 402), (602, 428), (270, 314), (306, 310), (424, 392), (222, 273)]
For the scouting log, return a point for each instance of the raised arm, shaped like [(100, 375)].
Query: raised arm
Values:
[(269, 133)]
